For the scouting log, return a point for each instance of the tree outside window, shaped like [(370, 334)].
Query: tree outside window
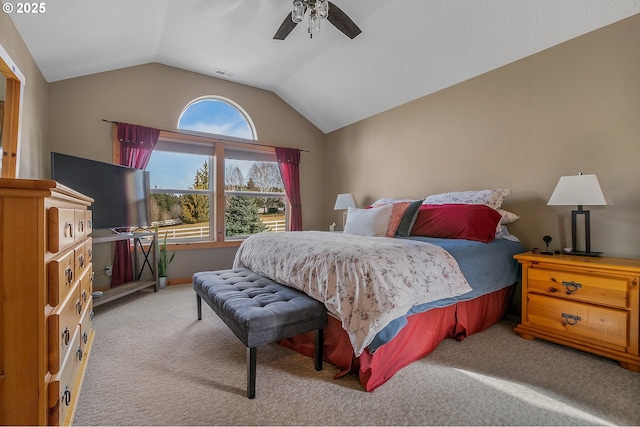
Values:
[(182, 177)]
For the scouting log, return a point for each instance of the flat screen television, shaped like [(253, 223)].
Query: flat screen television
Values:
[(121, 194)]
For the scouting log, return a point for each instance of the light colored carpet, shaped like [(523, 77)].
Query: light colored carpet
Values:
[(153, 363)]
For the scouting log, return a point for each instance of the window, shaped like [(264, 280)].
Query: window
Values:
[(189, 170)]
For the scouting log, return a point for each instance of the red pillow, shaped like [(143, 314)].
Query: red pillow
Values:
[(457, 221)]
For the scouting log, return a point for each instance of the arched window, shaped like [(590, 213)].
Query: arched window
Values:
[(218, 116), (184, 167)]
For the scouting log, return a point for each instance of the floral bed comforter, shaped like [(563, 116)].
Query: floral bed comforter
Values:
[(364, 281)]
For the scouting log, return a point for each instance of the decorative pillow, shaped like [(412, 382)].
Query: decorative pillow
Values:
[(408, 219), (397, 212), (492, 198), (368, 222), (507, 217), (457, 221), (387, 201)]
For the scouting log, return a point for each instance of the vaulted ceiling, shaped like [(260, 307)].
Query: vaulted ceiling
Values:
[(407, 49)]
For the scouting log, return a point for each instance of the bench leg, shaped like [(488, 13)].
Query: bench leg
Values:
[(319, 349), (251, 372), (199, 301)]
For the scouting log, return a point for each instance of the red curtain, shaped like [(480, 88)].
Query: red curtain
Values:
[(136, 145), (289, 162)]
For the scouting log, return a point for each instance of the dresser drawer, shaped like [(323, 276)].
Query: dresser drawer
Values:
[(61, 278), (88, 220), (61, 228), (606, 326), (62, 325), (88, 249), (601, 289), (82, 258), (80, 224), (62, 387), (86, 285), (86, 324)]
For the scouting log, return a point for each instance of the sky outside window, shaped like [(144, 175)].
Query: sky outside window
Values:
[(177, 170), (217, 117)]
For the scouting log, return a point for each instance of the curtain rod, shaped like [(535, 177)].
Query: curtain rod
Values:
[(215, 136)]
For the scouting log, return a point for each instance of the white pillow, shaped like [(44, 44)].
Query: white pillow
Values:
[(368, 222), (507, 217), (492, 198)]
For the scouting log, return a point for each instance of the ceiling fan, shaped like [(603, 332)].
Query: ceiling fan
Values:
[(318, 9)]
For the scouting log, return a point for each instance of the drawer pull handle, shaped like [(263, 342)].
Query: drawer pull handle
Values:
[(84, 296), (66, 396), (79, 354), (90, 252), (81, 259), (572, 319), (66, 336), (81, 225), (91, 315), (68, 273), (79, 306), (85, 338), (572, 287), (68, 226)]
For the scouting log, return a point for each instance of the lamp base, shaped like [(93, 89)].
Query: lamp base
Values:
[(583, 253)]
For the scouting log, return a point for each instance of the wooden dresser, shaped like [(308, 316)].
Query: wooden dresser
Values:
[(45, 300), (588, 303)]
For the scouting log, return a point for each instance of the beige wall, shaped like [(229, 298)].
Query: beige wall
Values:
[(34, 128), (154, 95), (572, 108)]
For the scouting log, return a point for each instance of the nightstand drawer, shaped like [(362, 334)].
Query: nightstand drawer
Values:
[(607, 326), (609, 290)]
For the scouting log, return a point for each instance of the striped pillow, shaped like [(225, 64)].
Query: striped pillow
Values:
[(397, 212)]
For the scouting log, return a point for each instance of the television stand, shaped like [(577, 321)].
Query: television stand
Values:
[(145, 242)]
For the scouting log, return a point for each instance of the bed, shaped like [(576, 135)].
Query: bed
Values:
[(392, 297)]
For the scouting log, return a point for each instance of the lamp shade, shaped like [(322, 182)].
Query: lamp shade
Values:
[(578, 190), (344, 201)]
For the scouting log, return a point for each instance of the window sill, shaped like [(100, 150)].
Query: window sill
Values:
[(202, 245)]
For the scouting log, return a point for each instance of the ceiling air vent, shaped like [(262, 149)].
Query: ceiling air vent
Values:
[(223, 73)]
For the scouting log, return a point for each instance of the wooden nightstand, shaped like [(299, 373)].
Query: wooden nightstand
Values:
[(587, 303)]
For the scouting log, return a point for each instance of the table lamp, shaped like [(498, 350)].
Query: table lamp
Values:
[(579, 190), (344, 202)]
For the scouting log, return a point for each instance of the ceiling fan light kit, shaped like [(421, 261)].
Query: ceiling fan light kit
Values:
[(318, 10)]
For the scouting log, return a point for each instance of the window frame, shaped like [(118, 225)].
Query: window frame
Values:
[(233, 104), (219, 143)]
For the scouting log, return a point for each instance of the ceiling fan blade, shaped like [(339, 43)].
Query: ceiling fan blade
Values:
[(285, 28), (342, 22)]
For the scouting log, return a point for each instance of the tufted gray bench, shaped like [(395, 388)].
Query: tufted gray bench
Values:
[(259, 311)]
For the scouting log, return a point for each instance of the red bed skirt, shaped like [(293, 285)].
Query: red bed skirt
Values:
[(456, 321)]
